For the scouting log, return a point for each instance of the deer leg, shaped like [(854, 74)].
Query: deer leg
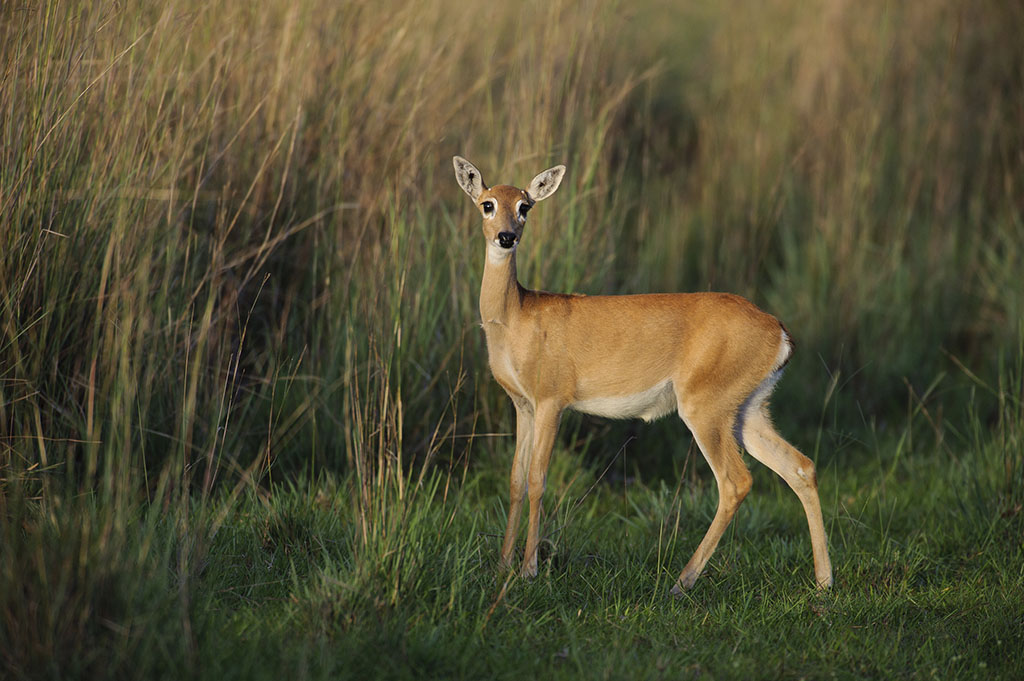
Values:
[(544, 429), (768, 447), (716, 442), (517, 481)]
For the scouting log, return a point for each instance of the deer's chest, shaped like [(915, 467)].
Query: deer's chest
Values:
[(506, 367)]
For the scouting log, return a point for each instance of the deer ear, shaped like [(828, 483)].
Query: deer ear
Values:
[(545, 184), (468, 177)]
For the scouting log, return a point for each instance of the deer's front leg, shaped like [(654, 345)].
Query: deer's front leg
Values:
[(517, 482), (545, 427)]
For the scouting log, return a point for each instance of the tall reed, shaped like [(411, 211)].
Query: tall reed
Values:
[(231, 249)]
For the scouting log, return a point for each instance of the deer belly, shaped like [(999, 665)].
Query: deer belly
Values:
[(648, 405)]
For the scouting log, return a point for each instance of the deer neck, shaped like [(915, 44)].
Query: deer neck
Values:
[(500, 292)]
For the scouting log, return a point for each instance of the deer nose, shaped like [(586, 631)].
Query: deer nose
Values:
[(507, 239)]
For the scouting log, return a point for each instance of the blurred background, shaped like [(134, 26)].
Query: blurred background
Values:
[(233, 253), (232, 228)]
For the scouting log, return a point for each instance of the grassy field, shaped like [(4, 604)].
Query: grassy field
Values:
[(246, 425)]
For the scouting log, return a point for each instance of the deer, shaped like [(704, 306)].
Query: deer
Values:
[(713, 358)]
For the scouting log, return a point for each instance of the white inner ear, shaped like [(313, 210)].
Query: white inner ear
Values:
[(468, 177), (545, 184)]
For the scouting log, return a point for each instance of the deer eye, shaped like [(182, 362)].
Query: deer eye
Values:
[(524, 208), (488, 207)]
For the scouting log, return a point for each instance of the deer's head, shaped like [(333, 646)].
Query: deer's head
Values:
[(504, 207)]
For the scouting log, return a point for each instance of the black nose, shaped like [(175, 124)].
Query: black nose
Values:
[(507, 239)]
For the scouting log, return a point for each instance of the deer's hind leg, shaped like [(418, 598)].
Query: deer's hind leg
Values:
[(768, 447), (712, 429)]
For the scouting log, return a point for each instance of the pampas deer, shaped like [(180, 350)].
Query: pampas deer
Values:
[(713, 358)]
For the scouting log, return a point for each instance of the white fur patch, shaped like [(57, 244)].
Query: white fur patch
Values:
[(498, 255), (785, 350), (648, 405), (762, 391), (519, 216)]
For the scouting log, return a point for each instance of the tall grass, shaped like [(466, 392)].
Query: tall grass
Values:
[(232, 255), (857, 159)]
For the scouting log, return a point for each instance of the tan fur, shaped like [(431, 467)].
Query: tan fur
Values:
[(711, 357)]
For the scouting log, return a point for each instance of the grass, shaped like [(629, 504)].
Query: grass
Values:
[(245, 422), (928, 563)]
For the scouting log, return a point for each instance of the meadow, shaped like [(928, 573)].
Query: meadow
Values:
[(246, 424)]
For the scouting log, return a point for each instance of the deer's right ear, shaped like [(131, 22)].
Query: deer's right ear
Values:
[(468, 177)]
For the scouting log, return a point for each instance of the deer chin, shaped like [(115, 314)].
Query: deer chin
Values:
[(498, 254)]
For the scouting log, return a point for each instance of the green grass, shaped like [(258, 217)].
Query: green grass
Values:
[(246, 426), (926, 550)]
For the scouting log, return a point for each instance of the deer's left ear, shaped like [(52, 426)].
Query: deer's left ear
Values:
[(545, 184)]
